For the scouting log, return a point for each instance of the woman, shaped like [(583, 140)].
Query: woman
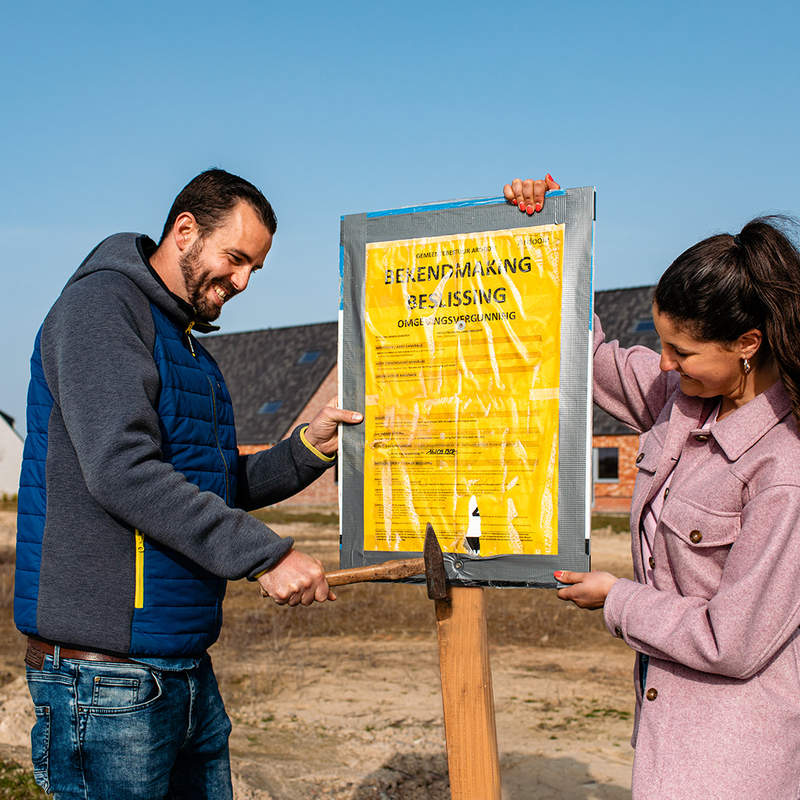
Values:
[(715, 607)]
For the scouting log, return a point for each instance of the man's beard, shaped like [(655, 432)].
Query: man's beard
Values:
[(198, 283)]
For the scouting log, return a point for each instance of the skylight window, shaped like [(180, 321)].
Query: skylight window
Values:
[(309, 357)]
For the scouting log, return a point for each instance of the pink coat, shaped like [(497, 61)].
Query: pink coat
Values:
[(720, 716)]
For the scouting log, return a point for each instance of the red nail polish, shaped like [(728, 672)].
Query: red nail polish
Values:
[(538, 206), (513, 201), (529, 209), (550, 178)]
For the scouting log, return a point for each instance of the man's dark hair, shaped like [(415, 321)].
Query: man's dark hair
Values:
[(211, 196)]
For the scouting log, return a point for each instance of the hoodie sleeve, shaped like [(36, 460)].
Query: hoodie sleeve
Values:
[(97, 354), (269, 476)]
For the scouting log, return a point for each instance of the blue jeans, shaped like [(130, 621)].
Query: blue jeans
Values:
[(129, 732)]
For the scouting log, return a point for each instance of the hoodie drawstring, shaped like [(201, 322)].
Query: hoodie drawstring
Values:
[(188, 333)]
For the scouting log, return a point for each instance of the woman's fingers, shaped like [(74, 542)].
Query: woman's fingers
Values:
[(569, 577), (528, 195)]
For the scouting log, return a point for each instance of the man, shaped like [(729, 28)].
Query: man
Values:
[(133, 506)]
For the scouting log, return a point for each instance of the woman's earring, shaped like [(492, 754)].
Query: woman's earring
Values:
[(746, 366)]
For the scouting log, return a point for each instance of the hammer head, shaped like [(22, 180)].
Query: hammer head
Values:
[(435, 575)]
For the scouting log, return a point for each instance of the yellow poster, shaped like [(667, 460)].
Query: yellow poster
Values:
[(462, 389)]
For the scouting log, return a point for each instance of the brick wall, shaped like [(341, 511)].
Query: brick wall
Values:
[(617, 496)]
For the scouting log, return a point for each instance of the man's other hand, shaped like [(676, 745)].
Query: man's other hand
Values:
[(297, 579), (323, 431)]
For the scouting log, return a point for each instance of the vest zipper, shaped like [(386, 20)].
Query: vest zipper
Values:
[(138, 598), (216, 436), (188, 333)]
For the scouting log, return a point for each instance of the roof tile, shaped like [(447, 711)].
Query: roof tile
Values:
[(267, 367)]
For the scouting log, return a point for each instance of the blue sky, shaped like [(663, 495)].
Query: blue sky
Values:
[(683, 115)]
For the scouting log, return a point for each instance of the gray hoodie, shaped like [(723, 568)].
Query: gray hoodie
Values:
[(106, 475)]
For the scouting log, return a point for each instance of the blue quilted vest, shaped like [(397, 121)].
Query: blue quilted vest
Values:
[(32, 497), (177, 605)]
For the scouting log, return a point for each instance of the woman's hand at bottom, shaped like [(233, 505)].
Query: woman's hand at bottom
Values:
[(586, 589)]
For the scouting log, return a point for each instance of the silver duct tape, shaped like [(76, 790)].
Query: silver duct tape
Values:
[(575, 209)]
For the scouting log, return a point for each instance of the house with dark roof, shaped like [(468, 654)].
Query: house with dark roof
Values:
[(627, 316), (11, 446), (278, 378), (281, 377)]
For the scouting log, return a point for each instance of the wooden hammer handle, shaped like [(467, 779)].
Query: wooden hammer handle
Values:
[(388, 570)]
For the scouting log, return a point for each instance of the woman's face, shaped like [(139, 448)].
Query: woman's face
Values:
[(707, 369)]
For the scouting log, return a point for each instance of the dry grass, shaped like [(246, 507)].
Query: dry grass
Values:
[(614, 523), (282, 516), (375, 610), (515, 616)]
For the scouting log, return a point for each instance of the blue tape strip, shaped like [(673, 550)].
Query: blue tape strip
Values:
[(591, 285), (483, 201), (341, 277)]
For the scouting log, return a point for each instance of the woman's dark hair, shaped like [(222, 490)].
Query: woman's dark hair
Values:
[(727, 285), (210, 197)]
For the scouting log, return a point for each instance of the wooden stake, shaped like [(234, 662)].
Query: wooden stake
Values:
[(467, 697)]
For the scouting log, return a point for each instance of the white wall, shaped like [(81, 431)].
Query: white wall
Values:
[(10, 458)]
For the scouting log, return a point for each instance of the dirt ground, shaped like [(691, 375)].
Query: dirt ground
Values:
[(342, 701)]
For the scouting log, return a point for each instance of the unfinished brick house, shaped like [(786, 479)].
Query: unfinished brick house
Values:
[(280, 377)]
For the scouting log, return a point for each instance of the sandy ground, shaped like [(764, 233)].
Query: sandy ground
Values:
[(360, 717)]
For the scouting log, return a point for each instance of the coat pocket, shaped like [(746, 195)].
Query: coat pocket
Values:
[(698, 527), (696, 541)]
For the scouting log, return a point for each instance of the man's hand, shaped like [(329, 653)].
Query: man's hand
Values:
[(323, 431), (588, 589), (296, 579), (528, 195)]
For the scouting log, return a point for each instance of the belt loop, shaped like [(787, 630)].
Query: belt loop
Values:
[(57, 656)]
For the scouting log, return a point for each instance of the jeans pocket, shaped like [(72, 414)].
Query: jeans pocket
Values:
[(40, 747), (119, 690), (109, 691)]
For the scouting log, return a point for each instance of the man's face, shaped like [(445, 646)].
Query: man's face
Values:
[(218, 266)]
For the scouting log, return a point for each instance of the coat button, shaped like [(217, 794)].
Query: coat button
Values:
[(651, 694), (652, 562), (639, 457), (695, 537), (618, 632), (701, 437), (666, 493)]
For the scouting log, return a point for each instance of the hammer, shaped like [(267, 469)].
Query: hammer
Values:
[(431, 563)]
